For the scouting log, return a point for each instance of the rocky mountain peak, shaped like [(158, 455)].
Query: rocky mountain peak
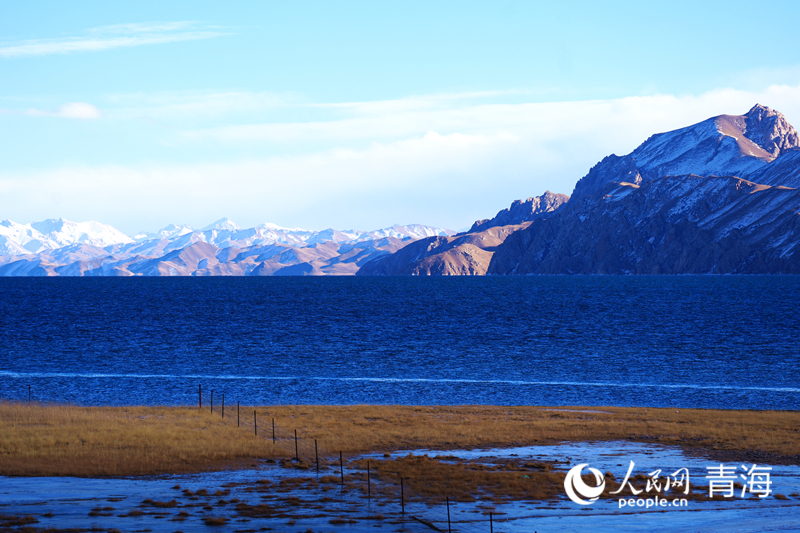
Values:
[(725, 145), (523, 211), (770, 130)]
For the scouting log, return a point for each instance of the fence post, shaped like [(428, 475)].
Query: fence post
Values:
[(212, 402), (255, 423), (316, 455), (341, 467), (402, 497), (491, 525), (200, 395), (447, 500), (29, 394), (369, 489), (223, 405), (273, 431), (237, 414), (296, 454)]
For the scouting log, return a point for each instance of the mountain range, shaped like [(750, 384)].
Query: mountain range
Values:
[(717, 197), (720, 196), (65, 248)]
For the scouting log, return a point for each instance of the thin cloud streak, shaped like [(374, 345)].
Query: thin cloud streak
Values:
[(196, 105), (78, 110), (416, 102), (116, 36)]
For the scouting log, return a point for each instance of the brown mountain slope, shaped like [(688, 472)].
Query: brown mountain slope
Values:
[(468, 254)]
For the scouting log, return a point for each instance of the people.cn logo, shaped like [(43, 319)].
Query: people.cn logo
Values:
[(576, 487)]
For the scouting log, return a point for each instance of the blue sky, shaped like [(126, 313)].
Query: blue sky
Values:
[(356, 115)]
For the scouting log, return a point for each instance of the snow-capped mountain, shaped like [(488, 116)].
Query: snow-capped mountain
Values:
[(721, 196), (225, 233), (727, 145), (169, 232), (50, 234), (223, 224), (62, 247)]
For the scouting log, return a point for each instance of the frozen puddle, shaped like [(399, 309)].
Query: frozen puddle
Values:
[(274, 498)]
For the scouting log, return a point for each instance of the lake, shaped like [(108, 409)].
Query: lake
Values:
[(727, 342)]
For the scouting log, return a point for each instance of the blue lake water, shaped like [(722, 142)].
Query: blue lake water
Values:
[(678, 341)]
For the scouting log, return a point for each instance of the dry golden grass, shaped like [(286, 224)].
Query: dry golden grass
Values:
[(431, 479), (355, 429), (109, 441), (94, 441)]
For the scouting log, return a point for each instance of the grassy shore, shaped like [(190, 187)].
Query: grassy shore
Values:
[(113, 441)]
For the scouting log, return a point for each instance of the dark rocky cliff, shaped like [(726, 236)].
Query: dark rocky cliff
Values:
[(672, 225)]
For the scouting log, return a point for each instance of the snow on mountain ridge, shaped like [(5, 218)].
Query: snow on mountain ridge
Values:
[(725, 145), (65, 232), (168, 232), (784, 170), (224, 224), (53, 234)]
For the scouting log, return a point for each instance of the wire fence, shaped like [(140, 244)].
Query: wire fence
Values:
[(301, 449), (452, 517), (445, 518)]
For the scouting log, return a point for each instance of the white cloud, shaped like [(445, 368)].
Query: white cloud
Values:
[(417, 102), (619, 122), (194, 104), (402, 181), (441, 161), (116, 36), (80, 110)]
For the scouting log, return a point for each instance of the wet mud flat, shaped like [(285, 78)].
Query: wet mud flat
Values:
[(293, 497)]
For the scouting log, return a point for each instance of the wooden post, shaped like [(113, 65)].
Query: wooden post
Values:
[(255, 423), (273, 431), (402, 497), (296, 455), (341, 467), (200, 395), (223, 405), (491, 525), (237, 414), (369, 488), (29, 394), (212, 402), (448, 515), (316, 455)]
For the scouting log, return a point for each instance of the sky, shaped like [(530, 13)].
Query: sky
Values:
[(357, 115)]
